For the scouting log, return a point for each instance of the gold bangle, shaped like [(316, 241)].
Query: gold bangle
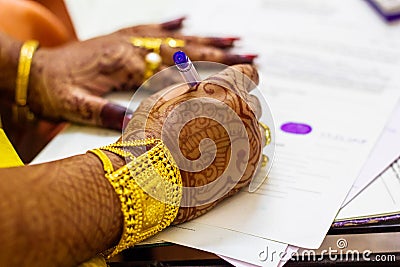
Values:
[(149, 188), (22, 81)]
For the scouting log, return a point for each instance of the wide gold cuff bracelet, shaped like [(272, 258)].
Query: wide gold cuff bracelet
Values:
[(149, 188)]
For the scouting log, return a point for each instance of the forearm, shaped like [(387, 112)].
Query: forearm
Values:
[(9, 56), (57, 214)]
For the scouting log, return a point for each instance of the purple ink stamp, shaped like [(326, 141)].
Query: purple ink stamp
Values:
[(296, 128)]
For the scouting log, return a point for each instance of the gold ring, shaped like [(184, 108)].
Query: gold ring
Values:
[(153, 59), (264, 160), (267, 133)]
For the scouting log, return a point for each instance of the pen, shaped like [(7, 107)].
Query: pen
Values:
[(363, 229), (186, 68), (386, 218)]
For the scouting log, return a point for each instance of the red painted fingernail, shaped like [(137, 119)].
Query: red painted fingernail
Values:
[(250, 56), (112, 116), (232, 38), (240, 59), (173, 24), (225, 41)]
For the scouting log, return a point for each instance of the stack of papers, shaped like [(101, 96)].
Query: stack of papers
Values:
[(318, 66)]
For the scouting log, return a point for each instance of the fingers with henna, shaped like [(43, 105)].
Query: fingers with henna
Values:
[(198, 52), (241, 78), (220, 42), (94, 110)]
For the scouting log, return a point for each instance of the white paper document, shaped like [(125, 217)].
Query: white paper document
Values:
[(385, 151), (381, 196), (225, 242)]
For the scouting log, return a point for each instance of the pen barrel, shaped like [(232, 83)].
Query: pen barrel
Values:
[(189, 73)]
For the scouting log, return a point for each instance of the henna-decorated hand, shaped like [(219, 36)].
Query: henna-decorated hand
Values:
[(67, 82), (219, 108)]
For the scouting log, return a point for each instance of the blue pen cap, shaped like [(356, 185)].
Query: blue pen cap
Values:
[(181, 60)]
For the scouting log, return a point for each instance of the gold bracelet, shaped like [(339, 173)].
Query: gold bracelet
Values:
[(149, 188), (21, 110)]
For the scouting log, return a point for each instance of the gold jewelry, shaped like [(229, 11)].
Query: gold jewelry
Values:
[(21, 110), (149, 188), (153, 59), (265, 158), (267, 133)]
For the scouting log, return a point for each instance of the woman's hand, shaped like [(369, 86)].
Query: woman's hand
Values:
[(67, 82), (219, 108)]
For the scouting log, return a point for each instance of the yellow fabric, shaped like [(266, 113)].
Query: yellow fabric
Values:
[(8, 156)]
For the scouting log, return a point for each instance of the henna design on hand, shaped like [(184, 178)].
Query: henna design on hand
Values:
[(217, 109)]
